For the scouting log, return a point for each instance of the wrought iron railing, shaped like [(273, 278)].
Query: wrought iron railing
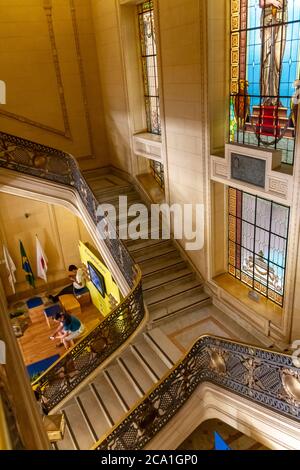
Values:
[(85, 357), (265, 377), (71, 369), (53, 165)]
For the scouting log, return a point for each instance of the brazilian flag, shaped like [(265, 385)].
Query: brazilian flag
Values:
[(26, 266)]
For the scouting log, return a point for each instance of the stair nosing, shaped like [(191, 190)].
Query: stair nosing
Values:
[(170, 361), (71, 433), (102, 406), (154, 320), (156, 256), (87, 419), (148, 289), (131, 376), (153, 245), (173, 296), (154, 375), (164, 268), (120, 397)]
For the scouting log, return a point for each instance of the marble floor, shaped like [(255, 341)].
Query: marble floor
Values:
[(184, 331)]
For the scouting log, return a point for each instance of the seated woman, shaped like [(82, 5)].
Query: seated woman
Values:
[(77, 287), (70, 328)]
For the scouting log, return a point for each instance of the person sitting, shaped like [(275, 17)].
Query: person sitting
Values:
[(77, 287), (70, 328)]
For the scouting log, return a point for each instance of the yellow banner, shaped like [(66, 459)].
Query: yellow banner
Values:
[(104, 292)]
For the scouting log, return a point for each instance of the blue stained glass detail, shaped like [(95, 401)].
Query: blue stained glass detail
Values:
[(269, 51), (290, 63)]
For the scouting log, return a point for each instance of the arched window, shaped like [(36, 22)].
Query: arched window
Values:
[(265, 50)]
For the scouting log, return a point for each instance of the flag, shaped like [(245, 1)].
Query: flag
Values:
[(42, 261), (11, 268), (26, 267)]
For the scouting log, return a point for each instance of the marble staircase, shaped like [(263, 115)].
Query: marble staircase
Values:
[(170, 285), (171, 288), (116, 390)]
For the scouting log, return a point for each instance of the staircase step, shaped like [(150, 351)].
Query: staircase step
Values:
[(115, 389), (78, 425), (135, 367), (145, 236), (131, 377), (88, 422), (171, 289), (153, 359), (164, 276), (143, 245), (161, 263), (114, 192), (132, 198), (122, 383), (94, 412), (163, 346), (182, 305), (164, 248), (109, 398), (145, 363), (102, 405), (180, 299), (69, 441)]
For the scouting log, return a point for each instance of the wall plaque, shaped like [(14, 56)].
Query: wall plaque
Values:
[(248, 169)]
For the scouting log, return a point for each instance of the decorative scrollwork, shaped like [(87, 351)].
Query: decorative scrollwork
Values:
[(37, 160), (53, 165), (56, 383), (265, 377)]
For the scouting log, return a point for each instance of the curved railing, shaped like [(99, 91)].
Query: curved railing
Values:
[(71, 369), (265, 377), (53, 165)]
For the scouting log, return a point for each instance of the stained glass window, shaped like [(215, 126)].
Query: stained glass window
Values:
[(149, 63), (265, 49), (258, 231)]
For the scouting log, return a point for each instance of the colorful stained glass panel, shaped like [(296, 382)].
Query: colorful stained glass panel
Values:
[(258, 243), (265, 63)]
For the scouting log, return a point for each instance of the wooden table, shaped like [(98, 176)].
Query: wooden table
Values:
[(70, 304)]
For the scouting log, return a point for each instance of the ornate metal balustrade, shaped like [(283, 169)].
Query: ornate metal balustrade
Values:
[(267, 378), (53, 165), (65, 375), (72, 368)]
